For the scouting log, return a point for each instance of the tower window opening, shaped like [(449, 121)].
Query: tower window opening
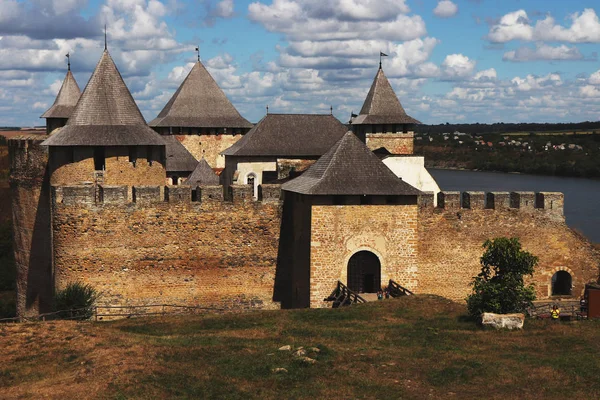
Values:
[(99, 159)]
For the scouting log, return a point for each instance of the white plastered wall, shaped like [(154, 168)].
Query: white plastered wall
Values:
[(412, 171)]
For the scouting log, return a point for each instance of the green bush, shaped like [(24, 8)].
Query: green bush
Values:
[(499, 287), (76, 301)]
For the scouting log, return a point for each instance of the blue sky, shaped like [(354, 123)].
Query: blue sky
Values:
[(449, 61)]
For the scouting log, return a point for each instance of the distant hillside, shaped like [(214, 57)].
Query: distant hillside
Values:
[(501, 127)]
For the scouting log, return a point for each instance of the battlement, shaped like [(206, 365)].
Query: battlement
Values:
[(552, 202), (90, 194)]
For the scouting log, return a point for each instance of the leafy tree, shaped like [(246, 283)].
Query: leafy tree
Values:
[(76, 301), (499, 287)]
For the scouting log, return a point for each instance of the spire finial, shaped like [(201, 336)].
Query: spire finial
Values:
[(267, 108), (198, 51), (331, 109), (381, 54), (105, 45), (68, 61)]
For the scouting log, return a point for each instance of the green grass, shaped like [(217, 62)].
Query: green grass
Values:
[(409, 348)]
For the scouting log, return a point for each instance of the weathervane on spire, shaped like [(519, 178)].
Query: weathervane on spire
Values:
[(331, 109), (267, 109), (381, 54), (198, 51), (105, 45), (68, 61)]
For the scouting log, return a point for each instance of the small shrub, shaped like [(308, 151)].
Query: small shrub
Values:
[(76, 301), (499, 287)]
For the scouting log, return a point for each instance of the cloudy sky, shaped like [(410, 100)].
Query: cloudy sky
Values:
[(449, 61)]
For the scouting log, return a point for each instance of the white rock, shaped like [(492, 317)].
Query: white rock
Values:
[(285, 348), (499, 321), (307, 360), (300, 353), (279, 370)]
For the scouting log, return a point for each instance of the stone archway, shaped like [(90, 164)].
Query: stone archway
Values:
[(562, 283), (364, 272)]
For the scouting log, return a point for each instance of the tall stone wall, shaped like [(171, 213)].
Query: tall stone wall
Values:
[(157, 250), (209, 146), (451, 237), (338, 232), (30, 201)]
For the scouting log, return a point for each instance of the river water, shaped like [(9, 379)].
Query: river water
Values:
[(582, 196)]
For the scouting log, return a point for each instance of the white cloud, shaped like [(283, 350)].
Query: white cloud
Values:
[(457, 66), (445, 9), (224, 9), (595, 78), (543, 52), (532, 82), (585, 28)]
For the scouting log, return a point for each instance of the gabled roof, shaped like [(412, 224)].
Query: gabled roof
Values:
[(178, 157), (203, 175), (349, 168), (200, 102), (290, 135), (106, 114), (382, 105), (65, 100)]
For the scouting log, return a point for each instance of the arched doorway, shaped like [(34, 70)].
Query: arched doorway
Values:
[(364, 272), (561, 283), (252, 181)]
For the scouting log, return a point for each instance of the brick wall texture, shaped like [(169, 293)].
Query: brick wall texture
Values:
[(450, 245), (209, 147), (337, 232), (395, 143), (208, 254)]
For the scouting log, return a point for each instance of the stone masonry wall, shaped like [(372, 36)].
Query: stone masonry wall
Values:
[(152, 251), (30, 203), (209, 147), (337, 232), (119, 169), (395, 143), (451, 239)]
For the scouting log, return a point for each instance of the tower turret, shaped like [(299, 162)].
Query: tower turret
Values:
[(64, 104), (382, 121), (106, 139)]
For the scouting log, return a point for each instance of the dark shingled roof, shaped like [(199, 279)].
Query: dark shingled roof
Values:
[(106, 114), (382, 105), (290, 135), (349, 168), (203, 175), (65, 100), (200, 102), (178, 157)]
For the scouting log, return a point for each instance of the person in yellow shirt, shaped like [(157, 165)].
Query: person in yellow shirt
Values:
[(555, 313)]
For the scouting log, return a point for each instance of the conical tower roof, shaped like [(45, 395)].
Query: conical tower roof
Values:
[(200, 103), (106, 114), (65, 100), (349, 168), (203, 175), (382, 105)]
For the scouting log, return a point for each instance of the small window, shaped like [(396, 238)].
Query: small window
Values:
[(133, 155), (150, 154), (99, 159)]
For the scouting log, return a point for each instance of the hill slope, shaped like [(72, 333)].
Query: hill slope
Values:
[(414, 348)]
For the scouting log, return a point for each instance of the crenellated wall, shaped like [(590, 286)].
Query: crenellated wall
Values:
[(451, 237), (163, 247)]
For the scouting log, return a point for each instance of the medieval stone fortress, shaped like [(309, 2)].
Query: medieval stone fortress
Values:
[(201, 207)]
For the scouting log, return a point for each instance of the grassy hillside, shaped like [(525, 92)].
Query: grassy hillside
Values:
[(414, 348)]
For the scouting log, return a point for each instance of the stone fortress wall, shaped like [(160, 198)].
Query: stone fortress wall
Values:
[(156, 244), (168, 249)]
